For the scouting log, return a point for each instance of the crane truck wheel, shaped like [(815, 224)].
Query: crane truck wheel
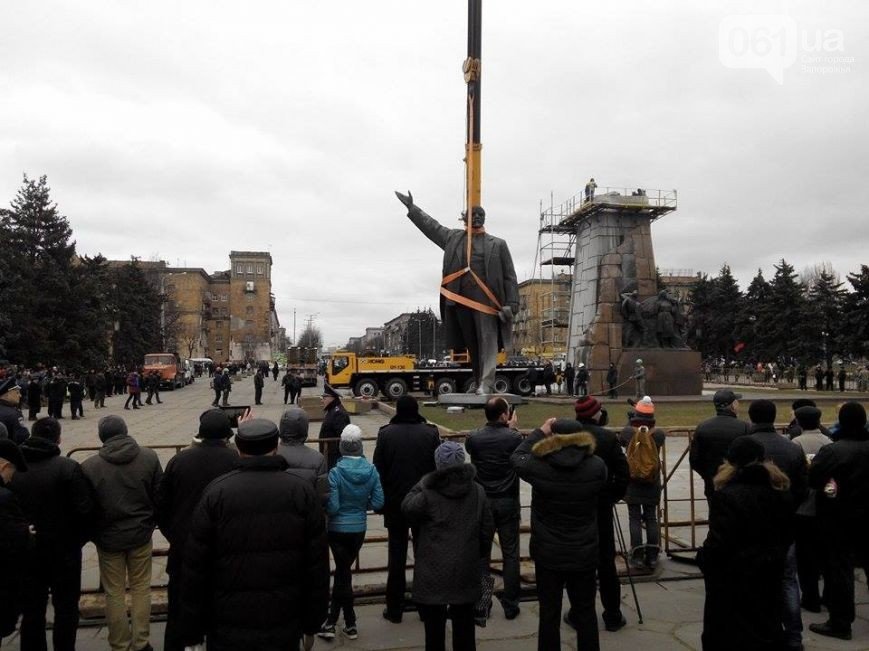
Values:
[(446, 385), (366, 388), (522, 385), (502, 384), (470, 386), (395, 388)]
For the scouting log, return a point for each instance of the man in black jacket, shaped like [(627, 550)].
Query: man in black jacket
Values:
[(789, 457), (403, 454), (256, 563), (258, 384), (490, 448), (567, 480), (57, 499), (840, 471), (591, 414), (713, 437), (16, 538), (186, 476), (335, 419)]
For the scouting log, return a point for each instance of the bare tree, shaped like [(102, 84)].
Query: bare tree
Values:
[(310, 337), (810, 275)]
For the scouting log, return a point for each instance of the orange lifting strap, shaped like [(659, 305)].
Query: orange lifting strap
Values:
[(451, 295)]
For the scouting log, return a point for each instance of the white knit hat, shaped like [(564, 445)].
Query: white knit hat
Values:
[(351, 441)]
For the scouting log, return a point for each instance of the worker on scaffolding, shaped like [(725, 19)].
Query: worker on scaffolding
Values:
[(589, 189)]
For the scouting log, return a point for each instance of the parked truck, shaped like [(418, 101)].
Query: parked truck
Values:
[(170, 368), (395, 376), (302, 361)]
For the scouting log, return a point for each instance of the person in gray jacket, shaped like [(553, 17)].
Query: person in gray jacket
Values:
[(125, 478), (303, 461)]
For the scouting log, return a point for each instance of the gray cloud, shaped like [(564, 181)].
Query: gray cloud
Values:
[(188, 130)]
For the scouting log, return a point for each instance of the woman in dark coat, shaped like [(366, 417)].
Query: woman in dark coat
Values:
[(455, 531), (34, 398), (743, 558)]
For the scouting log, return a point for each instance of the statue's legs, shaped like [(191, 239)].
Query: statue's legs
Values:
[(480, 332)]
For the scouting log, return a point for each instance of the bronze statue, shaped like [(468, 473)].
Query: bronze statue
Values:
[(478, 297), (634, 328)]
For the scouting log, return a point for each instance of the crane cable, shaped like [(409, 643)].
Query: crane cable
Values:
[(447, 293)]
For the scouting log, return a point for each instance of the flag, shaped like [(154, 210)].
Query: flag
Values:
[(739, 346)]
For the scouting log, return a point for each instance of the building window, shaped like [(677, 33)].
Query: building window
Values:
[(218, 324), (239, 269), (219, 353), (260, 269), (224, 298), (218, 338), (249, 296), (248, 323), (250, 267), (249, 309)]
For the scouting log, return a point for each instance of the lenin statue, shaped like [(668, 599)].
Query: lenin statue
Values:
[(478, 297)]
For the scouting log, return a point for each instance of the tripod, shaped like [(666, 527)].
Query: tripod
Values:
[(620, 537)]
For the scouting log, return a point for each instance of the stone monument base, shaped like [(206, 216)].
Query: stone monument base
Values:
[(669, 372), (472, 400)]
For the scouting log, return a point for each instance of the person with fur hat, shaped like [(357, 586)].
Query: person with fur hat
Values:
[(455, 529), (256, 562), (790, 459), (743, 557), (404, 453), (301, 459), (335, 419), (354, 489), (567, 481), (793, 429), (57, 499), (125, 478), (841, 471), (17, 536), (809, 537), (187, 474), (10, 414), (592, 415), (643, 496), (713, 437)]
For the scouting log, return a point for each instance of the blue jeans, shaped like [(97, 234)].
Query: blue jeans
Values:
[(791, 616)]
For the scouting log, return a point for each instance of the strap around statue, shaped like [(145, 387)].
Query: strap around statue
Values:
[(469, 242)]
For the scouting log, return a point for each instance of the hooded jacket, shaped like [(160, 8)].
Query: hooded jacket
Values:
[(354, 488), (55, 497), (15, 540), (125, 478), (455, 533), (567, 480)]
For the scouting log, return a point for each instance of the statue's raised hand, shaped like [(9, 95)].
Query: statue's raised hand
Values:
[(406, 199)]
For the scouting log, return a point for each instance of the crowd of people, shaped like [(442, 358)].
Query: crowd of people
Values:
[(252, 515), (821, 377)]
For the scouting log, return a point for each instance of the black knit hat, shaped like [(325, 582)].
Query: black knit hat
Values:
[(762, 412), (257, 437), (744, 451), (852, 419), (214, 424)]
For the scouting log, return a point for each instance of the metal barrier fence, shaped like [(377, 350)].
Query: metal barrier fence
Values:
[(671, 543)]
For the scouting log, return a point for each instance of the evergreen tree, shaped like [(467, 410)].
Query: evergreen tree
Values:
[(823, 314), (699, 321), (779, 332), (135, 306), (725, 303), (753, 315), (36, 287), (855, 324)]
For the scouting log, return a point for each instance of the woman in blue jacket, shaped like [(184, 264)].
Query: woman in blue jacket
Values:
[(354, 488)]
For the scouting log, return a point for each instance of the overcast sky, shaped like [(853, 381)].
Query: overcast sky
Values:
[(182, 130)]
